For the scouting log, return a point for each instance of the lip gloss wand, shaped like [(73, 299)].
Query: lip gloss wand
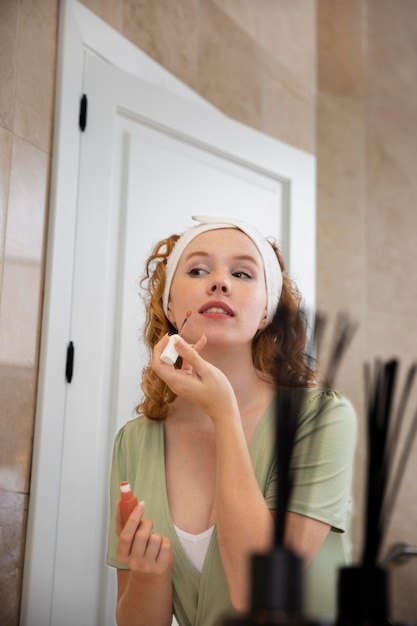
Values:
[(169, 354)]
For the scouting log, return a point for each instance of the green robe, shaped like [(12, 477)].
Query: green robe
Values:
[(322, 462)]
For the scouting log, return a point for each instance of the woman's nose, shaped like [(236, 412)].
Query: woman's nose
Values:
[(221, 285)]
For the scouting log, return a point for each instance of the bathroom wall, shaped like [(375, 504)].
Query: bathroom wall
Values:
[(333, 77), (367, 218), (28, 33)]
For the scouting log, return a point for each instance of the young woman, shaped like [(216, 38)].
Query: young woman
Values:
[(200, 455)]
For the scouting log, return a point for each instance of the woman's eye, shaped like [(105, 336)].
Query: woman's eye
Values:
[(241, 275), (202, 271), (196, 271)]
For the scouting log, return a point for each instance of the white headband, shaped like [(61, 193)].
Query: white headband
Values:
[(272, 269)]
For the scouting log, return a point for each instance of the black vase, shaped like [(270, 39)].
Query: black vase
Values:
[(276, 591), (363, 596)]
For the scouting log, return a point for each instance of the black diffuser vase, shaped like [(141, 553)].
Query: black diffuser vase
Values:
[(277, 583), (363, 591), (276, 591), (363, 596)]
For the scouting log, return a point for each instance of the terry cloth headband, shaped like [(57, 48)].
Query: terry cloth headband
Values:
[(272, 269)]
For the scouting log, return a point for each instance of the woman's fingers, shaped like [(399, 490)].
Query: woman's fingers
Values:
[(128, 531), (119, 522), (198, 381), (162, 344), (146, 551), (191, 356), (189, 353), (141, 538), (201, 343), (166, 555), (197, 347)]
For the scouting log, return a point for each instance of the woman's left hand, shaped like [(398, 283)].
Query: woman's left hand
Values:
[(197, 381)]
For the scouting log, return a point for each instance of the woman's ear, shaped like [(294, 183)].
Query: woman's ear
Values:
[(262, 323), (170, 316)]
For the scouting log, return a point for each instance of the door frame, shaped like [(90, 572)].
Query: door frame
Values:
[(81, 30)]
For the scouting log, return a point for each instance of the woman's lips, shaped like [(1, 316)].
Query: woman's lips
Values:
[(217, 308)]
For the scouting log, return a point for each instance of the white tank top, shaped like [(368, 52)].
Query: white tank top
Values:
[(195, 546)]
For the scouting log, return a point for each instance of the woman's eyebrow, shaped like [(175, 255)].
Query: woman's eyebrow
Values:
[(238, 257), (193, 254)]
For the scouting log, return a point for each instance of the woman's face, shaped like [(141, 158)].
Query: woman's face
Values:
[(220, 279)]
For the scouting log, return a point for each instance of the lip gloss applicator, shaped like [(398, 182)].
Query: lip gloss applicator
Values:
[(169, 354)]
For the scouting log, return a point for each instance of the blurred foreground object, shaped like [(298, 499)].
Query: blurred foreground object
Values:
[(364, 590)]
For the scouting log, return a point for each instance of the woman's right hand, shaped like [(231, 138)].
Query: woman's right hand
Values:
[(197, 381), (141, 549)]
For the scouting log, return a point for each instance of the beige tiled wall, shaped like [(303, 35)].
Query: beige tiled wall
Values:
[(27, 64), (367, 218), (391, 198), (332, 77)]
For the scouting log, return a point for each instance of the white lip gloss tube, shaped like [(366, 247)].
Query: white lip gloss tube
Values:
[(169, 354)]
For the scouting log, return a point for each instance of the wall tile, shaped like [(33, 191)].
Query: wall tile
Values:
[(9, 11), (13, 513), (5, 160), (394, 335), (243, 72), (19, 309), (341, 260), (370, 132), (28, 196), (245, 14), (340, 46), (109, 11), (392, 197), (287, 36), (17, 408), (284, 29), (392, 42), (21, 290), (229, 66), (35, 72), (287, 108), (167, 32), (19, 313)]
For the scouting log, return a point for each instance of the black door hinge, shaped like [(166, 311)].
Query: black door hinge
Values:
[(82, 120), (69, 367)]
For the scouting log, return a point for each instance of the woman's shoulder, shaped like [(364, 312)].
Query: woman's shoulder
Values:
[(324, 397), (321, 399), (312, 396), (311, 400), (328, 410), (137, 429), (330, 405)]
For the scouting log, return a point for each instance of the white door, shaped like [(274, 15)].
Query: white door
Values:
[(149, 158)]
